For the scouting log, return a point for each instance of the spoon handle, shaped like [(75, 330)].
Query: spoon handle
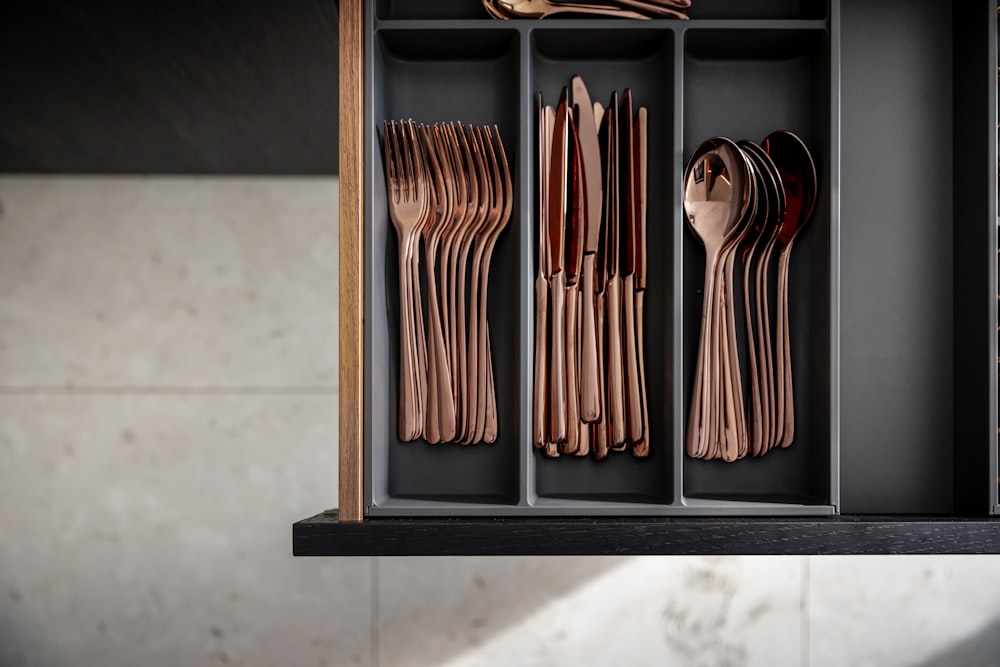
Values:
[(640, 448), (788, 432), (633, 407)]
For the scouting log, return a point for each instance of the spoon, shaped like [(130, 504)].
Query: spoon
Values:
[(772, 197), (797, 169), (731, 394), (716, 196)]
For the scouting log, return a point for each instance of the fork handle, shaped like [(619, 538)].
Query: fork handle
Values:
[(407, 426)]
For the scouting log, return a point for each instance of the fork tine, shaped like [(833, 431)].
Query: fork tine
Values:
[(391, 157), (508, 185), (399, 159), (495, 175)]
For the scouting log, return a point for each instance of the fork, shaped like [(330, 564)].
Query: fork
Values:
[(501, 205), (408, 206), (440, 418)]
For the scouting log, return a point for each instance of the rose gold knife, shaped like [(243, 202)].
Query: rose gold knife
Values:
[(557, 280), (590, 165), (640, 447), (615, 374), (572, 269), (545, 113)]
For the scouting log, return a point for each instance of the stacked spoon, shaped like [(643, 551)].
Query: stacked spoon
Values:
[(590, 389), (632, 9), (745, 202), (450, 187)]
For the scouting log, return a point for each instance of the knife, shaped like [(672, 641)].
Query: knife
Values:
[(640, 448), (613, 336), (590, 160), (557, 278), (572, 270), (633, 407), (539, 438)]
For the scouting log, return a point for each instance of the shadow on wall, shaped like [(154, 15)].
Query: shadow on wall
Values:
[(980, 650), (432, 609)]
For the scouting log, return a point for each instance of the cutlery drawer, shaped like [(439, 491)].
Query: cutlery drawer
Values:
[(888, 314)]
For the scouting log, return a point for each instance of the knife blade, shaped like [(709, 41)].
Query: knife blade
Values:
[(557, 187)]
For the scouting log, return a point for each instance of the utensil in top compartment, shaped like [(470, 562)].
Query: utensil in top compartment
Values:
[(539, 9), (408, 198), (648, 8), (798, 177), (635, 9), (593, 191), (716, 196)]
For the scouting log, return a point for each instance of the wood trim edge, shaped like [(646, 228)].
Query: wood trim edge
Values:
[(351, 482)]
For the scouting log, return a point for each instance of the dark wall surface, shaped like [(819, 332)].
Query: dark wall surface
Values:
[(183, 87)]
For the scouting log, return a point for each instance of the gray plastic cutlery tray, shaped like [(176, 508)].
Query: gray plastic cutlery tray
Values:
[(892, 305)]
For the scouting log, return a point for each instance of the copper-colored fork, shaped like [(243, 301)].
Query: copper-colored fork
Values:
[(408, 205), (501, 205), (473, 242), (440, 418)]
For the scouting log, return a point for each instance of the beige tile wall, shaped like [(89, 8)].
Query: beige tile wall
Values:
[(168, 407)]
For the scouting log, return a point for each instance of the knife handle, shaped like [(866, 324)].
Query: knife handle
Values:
[(557, 376), (616, 398), (541, 358), (599, 430), (572, 443), (640, 449), (633, 407), (590, 396)]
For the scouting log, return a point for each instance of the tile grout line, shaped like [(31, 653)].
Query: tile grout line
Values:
[(374, 615), (805, 613)]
